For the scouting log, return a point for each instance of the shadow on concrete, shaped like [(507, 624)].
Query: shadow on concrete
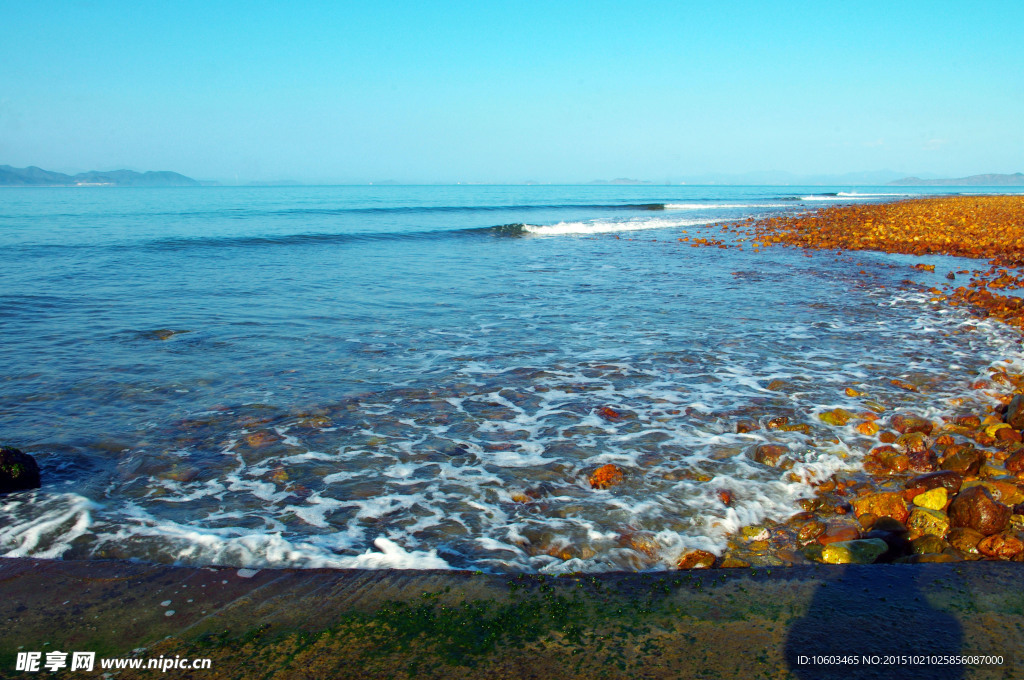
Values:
[(862, 627)]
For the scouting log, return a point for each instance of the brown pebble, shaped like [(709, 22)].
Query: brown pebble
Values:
[(975, 508), (1001, 546)]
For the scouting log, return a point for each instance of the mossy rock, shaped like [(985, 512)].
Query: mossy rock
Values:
[(18, 471)]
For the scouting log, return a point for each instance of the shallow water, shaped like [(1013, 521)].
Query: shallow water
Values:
[(411, 376)]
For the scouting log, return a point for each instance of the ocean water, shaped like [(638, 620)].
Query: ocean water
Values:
[(414, 376)]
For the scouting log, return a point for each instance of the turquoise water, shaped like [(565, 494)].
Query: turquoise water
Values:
[(411, 376)]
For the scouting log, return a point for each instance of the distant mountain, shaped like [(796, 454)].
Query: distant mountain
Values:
[(1016, 179), (37, 177), (620, 180)]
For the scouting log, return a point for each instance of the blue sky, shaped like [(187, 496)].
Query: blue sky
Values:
[(508, 92)]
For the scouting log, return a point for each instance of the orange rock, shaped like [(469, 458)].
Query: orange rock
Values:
[(725, 496), (904, 385), (867, 428), (882, 504), (696, 559), (606, 476), (609, 414), (1001, 546), (887, 437), (837, 533)]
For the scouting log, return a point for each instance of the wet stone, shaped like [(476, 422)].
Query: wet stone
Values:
[(927, 543), (838, 534), (975, 508), (964, 459), (934, 499), (924, 521), (811, 531), (887, 437), (947, 479), (863, 551), (696, 559), (965, 539), (911, 442), (1002, 546), (18, 470), (769, 454), (882, 504), (909, 423), (1015, 412)]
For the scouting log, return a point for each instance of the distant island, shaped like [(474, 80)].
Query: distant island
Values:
[(37, 177), (1016, 179)]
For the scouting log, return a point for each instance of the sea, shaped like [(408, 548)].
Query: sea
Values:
[(427, 376)]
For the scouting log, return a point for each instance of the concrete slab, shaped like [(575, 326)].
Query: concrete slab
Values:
[(871, 621)]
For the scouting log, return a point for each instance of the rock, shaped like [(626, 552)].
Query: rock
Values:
[(734, 563), (18, 471), (927, 543), (889, 524), (868, 428), (777, 422), (696, 559), (909, 423), (609, 414), (837, 416), (924, 521), (769, 454), (838, 534), (965, 539), (887, 437), (811, 531), (1015, 463), (975, 508), (963, 458), (780, 386), (883, 504), (1001, 546), (862, 551), (744, 426), (911, 442), (606, 476), (970, 422), (922, 461), (1015, 412), (934, 499), (947, 479)]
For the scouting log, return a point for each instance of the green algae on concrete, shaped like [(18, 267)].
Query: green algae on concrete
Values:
[(739, 623)]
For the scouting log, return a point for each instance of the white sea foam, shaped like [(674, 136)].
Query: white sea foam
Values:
[(721, 206), (609, 226)]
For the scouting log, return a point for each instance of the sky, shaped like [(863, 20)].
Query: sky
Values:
[(507, 92)]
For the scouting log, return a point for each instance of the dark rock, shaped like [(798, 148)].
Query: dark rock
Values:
[(975, 508), (1015, 412), (963, 458), (18, 471), (927, 544), (947, 478), (907, 423), (1015, 463)]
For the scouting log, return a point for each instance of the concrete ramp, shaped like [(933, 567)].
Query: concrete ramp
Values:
[(877, 621)]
